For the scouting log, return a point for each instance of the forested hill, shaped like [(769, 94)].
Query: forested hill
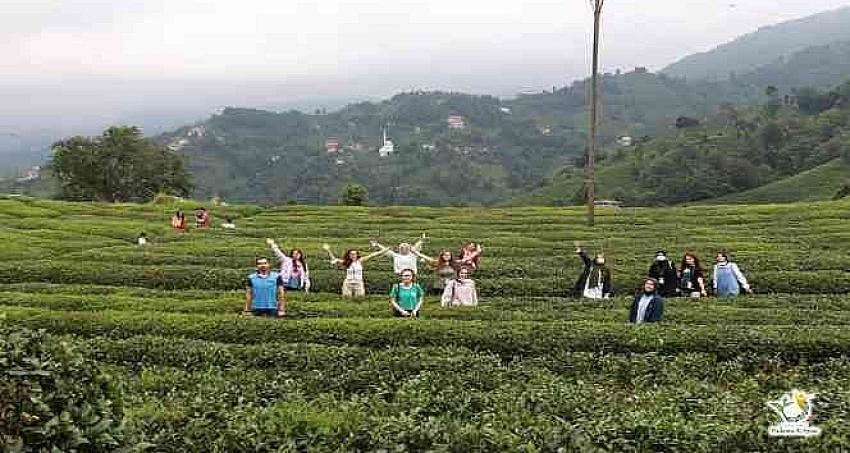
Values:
[(503, 148), (766, 46), (791, 149)]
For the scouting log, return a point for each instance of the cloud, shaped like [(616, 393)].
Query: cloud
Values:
[(60, 55)]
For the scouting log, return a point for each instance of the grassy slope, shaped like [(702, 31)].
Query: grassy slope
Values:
[(819, 183)]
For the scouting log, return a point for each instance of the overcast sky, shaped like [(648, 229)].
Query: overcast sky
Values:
[(70, 64)]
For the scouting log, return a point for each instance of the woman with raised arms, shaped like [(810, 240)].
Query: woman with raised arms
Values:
[(352, 262)]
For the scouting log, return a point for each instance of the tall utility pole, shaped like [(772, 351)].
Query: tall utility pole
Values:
[(594, 103)]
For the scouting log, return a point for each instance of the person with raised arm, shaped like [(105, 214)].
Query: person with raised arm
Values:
[(728, 278), (648, 305), (470, 256), (293, 268), (460, 291), (406, 257), (595, 279), (407, 296), (445, 268), (352, 262), (691, 277), (264, 292)]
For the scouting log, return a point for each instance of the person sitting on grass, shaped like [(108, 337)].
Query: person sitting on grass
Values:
[(406, 257), (647, 306), (293, 268), (353, 285), (728, 278), (595, 280), (460, 291), (406, 297), (264, 292), (228, 224), (142, 239)]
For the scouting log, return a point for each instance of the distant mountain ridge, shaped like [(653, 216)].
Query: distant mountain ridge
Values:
[(764, 46)]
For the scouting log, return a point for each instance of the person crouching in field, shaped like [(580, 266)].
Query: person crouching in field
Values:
[(353, 285), (406, 297), (405, 258), (293, 268), (264, 292), (691, 277), (178, 222), (203, 219), (647, 306), (460, 291), (664, 271), (595, 279), (728, 278)]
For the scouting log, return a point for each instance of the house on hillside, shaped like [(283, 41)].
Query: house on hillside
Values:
[(456, 122), (332, 145), (29, 174)]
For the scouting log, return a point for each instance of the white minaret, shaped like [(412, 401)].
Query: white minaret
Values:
[(387, 148)]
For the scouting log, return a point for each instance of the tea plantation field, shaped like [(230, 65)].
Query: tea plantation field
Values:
[(527, 370)]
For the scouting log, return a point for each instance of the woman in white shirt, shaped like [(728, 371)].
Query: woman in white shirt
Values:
[(406, 257), (460, 291), (353, 285)]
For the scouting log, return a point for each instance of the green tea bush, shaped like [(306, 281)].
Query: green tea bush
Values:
[(54, 399)]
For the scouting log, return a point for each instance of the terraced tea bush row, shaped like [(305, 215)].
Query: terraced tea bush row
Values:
[(528, 251), (508, 339), (762, 309), (609, 402)]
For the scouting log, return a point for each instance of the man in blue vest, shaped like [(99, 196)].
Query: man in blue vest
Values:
[(264, 292)]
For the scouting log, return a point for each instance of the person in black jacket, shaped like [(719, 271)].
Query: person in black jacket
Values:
[(595, 279), (664, 271), (647, 305)]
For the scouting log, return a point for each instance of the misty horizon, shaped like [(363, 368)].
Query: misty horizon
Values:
[(74, 68)]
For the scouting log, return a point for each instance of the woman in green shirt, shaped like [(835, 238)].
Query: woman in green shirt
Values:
[(406, 297)]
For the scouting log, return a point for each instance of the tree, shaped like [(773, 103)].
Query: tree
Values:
[(812, 101), (120, 165), (354, 195)]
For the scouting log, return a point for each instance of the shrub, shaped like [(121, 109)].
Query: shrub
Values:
[(52, 399)]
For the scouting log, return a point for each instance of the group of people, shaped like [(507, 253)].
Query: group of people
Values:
[(663, 280), (203, 219), (266, 289)]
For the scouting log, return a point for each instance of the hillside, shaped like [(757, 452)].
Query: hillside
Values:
[(508, 148), (819, 183), (526, 370), (739, 150), (504, 147), (520, 150), (764, 47)]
